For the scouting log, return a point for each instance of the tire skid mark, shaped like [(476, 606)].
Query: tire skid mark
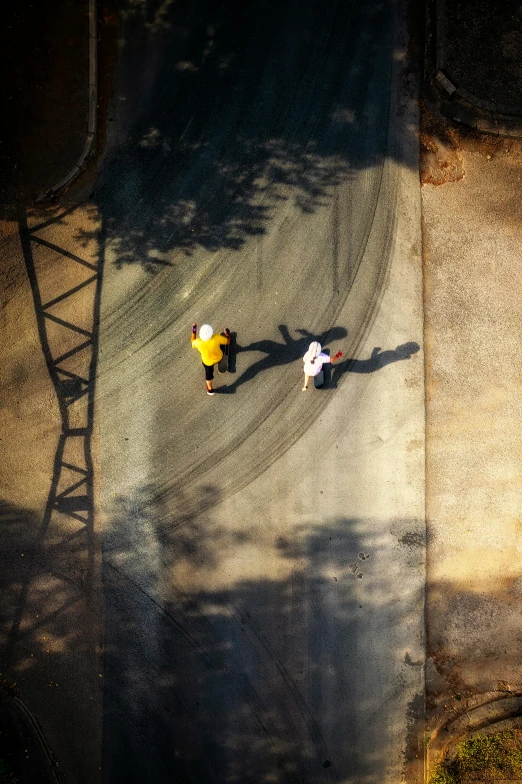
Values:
[(287, 437)]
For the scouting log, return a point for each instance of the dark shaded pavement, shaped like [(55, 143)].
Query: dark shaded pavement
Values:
[(45, 51), (224, 111)]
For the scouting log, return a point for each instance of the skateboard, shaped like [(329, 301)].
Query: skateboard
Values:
[(223, 362)]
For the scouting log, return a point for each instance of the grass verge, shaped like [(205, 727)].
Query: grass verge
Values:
[(483, 759)]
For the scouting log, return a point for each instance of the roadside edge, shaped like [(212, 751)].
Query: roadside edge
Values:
[(79, 166)]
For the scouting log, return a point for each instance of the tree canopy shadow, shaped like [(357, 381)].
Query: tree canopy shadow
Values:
[(258, 679), (223, 111)]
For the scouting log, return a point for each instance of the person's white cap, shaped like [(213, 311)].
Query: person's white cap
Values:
[(314, 349), (206, 332)]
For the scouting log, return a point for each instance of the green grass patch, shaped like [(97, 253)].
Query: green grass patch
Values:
[(486, 758)]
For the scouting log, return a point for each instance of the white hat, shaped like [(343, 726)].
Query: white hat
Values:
[(314, 349), (206, 332)]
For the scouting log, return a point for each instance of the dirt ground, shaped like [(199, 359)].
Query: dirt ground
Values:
[(443, 142), (472, 250), (45, 47), (49, 614)]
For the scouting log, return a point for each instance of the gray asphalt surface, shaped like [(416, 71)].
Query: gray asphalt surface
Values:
[(253, 180)]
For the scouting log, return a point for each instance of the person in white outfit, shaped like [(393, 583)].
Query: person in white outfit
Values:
[(314, 360)]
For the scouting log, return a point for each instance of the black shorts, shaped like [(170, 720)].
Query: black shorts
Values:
[(209, 372)]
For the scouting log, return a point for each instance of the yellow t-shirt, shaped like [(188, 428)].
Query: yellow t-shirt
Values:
[(210, 350)]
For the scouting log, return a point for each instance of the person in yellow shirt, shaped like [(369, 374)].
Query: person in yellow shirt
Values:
[(210, 347)]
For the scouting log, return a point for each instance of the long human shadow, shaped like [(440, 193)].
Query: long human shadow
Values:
[(276, 353), (376, 361)]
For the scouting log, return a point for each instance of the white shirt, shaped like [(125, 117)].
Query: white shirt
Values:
[(312, 369)]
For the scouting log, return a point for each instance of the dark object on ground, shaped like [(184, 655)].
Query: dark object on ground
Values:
[(223, 363)]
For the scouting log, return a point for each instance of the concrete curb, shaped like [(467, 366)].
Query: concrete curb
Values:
[(79, 166), (464, 106), (34, 727), (489, 713), (45, 765)]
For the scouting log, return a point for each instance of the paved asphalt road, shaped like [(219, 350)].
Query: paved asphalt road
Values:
[(263, 549)]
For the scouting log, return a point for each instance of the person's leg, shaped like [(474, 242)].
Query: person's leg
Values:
[(209, 375), (307, 379)]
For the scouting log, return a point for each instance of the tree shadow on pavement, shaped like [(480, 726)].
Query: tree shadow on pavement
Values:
[(225, 111), (225, 673)]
